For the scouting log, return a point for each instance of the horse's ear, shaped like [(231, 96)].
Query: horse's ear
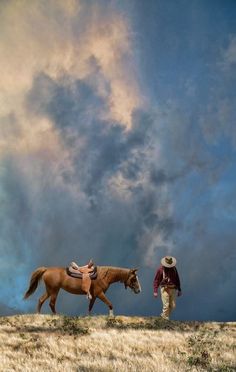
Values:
[(134, 271)]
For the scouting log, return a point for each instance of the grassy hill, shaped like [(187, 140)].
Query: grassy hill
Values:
[(59, 343)]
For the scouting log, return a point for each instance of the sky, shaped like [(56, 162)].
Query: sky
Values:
[(118, 143)]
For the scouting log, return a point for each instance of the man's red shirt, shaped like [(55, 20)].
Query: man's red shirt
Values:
[(171, 276)]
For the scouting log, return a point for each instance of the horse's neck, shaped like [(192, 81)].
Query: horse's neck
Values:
[(117, 274)]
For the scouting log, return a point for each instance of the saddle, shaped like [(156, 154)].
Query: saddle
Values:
[(87, 273)]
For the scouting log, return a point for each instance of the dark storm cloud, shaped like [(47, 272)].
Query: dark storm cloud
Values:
[(68, 104), (108, 147), (159, 176)]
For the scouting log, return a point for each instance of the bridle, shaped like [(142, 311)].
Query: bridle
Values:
[(132, 284)]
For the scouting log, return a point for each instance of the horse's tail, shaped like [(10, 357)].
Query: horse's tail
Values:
[(35, 278)]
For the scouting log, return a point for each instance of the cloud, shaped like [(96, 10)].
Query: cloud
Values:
[(217, 117), (229, 54)]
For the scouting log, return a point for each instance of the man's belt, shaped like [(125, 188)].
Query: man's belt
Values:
[(169, 286)]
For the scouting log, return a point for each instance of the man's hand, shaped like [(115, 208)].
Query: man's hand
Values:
[(155, 294), (179, 293)]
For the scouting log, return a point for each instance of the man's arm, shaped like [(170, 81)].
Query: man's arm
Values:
[(157, 281), (178, 283)]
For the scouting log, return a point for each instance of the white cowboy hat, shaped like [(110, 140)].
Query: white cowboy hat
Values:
[(168, 261)]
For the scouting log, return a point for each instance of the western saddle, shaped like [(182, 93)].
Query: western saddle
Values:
[(87, 273)]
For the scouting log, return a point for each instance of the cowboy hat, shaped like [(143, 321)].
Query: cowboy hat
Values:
[(168, 261)]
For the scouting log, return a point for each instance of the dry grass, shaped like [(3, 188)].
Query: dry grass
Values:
[(57, 343)]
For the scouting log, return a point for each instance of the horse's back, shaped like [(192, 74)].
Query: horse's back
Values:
[(57, 277)]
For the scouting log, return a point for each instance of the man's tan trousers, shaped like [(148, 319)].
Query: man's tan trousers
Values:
[(168, 296)]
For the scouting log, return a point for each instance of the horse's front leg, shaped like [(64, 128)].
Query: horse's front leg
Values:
[(103, 298)]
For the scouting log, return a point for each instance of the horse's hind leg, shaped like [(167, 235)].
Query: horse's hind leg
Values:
[(91, 303), (42, 299), (52, 302), (103, 298)]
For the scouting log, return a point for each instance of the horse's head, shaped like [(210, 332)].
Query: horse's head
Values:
[(132, 281)]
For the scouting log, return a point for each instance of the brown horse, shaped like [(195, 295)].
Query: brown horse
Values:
[(56, 278)]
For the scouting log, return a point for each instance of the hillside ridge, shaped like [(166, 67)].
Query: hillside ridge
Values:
[(32, 342)]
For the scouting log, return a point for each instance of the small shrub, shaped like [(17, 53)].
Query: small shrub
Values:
[(198, 349), (72, 327), (202, 360)]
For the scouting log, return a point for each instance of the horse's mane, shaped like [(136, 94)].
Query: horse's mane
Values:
[(104, 270), (115, 268)]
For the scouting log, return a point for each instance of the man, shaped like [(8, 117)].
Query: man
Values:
[(167, 278)]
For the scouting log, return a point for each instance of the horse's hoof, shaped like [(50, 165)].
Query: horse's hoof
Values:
[(111, 313)]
